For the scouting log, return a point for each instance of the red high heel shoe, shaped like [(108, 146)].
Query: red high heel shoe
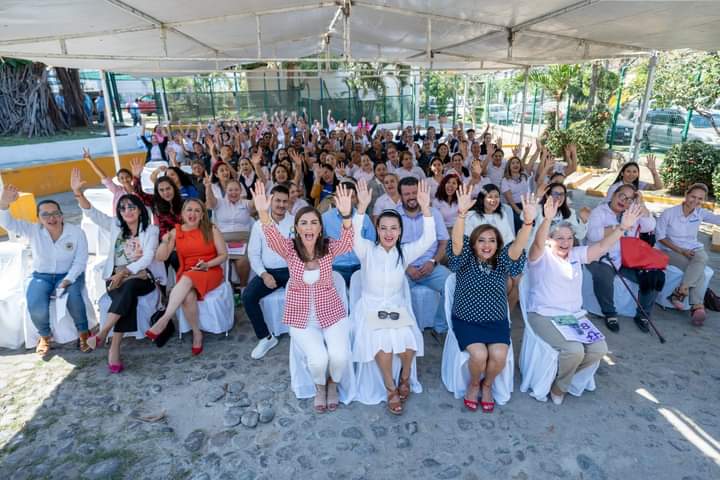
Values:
[(470, 405), (197, 350), (152, 336), (116, 367)]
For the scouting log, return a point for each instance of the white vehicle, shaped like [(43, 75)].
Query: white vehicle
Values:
[(664, 128), (498, 113)]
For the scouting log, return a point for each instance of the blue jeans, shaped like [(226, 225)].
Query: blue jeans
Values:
[(435, 280), (39, 290)]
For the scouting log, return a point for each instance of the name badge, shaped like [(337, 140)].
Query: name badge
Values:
[(69, 246)]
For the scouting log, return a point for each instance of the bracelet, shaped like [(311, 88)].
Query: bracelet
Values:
[(346, 217), (528, 224), (462, 215)]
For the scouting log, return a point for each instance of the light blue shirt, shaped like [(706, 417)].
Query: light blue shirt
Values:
[(332, 226), (413, 229)]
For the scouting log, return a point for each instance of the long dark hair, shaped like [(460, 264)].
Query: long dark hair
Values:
[(635, 182), (391, 214), (480, 203), (441, 194), (479, 230), (185, 179), (563, 209), (321, 244), (144, 219), (163, 206)]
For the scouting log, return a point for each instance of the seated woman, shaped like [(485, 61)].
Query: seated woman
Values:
[(383, 265), (222, 174), (604, 221), (295, 202), (515, 185), (325, 182), (435, 175), (677, 235), (482, 263), (390, 199), (182, 180), (408, 168), (556, 289), (445, 200), (232, 215), (630, 175), (314, 311), (564, 213), (124, 176), (133, 241), (201, 251)]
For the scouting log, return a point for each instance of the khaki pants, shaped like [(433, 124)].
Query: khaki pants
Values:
[(693, 273), (574, 356)]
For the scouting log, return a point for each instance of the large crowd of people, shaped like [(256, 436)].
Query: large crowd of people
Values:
[(400, 208)]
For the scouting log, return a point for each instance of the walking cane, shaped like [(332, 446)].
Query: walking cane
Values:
[(637, 302)]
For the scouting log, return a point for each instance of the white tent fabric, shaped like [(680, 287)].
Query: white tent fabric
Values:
[(175, 36)]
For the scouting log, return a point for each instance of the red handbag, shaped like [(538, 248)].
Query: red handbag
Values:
[(638, 254)]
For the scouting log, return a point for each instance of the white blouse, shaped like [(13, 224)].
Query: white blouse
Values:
[(448, 211), (416, 172), (232, 217), (384, 202), (504, 224)]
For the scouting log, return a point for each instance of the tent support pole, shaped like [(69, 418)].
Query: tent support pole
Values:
[(524, 106), (164, 101), (640, 122), (109, 120)]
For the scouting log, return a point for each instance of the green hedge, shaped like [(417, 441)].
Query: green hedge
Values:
[(688, 163), (588, 135)]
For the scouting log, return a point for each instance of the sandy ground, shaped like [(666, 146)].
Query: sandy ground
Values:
[(653, 415)]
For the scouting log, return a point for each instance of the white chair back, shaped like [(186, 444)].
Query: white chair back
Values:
[(12, 276)]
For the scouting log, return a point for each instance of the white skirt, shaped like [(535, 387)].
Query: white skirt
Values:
[(368, 342)]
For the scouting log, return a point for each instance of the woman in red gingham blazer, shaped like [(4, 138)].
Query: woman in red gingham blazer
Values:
[(319, 330)]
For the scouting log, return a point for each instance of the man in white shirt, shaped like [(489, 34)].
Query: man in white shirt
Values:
[(271, 269), (60, 255)]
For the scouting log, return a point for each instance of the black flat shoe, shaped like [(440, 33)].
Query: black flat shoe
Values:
[(612, 324), (642, 324)]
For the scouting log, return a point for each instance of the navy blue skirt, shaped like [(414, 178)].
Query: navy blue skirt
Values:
[(488, 333)]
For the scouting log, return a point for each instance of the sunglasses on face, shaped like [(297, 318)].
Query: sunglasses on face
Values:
[(128, 208), (382, 315), (55, 214)]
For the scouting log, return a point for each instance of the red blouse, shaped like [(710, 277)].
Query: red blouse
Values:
[(329, 308)]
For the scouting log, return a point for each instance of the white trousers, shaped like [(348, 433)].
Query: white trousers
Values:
[(327, 349)]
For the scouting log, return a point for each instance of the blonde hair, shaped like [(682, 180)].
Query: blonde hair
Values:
[(205, 226)]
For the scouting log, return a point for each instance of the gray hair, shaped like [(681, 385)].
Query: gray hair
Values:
[(557, 226)]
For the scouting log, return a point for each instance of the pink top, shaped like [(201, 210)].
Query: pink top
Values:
[(116, 190), (329, 308)]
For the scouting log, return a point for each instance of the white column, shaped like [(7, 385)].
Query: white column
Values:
[(109, 119), (164, 104), (640, 120), (524, 104)]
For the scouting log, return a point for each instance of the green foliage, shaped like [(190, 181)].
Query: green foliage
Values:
[(555, 79), (688, 163), (716, 180), (588, 135), (442, 87)]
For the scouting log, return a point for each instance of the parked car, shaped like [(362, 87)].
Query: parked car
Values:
[(498, 113), (623, 132), (540, 111), (664, 128), (146, 103)]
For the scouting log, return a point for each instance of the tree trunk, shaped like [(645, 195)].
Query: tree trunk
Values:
[(27, 106), (594, 78), (73, 95), (558, 99)]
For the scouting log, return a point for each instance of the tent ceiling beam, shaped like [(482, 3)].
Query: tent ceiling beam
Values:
[(259, 36), (431, 16), (552, 14), (73, 36), (154, 21), (260, 13)]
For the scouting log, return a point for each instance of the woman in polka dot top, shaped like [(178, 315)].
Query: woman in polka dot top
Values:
[(480, 310)]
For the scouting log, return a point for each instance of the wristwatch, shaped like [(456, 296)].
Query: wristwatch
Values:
[(346, 217), (434, 262)]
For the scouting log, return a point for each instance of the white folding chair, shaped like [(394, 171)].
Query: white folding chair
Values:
[(425, 302), (216, 312), (673, 277), (370, 386), (13, 308), (62, 325), (624, 304), (455, 371), (301, 380), (147, 305), (539, 361), (98, 239)]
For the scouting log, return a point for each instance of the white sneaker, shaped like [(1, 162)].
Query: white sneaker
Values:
[(263, 346), (557, 399)]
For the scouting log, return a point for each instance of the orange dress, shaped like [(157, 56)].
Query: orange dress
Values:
[(191, 248)]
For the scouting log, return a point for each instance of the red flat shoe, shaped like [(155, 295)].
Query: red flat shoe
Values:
[(116, 367), (197, 350), (470, 405), (152, 336), (487, 407)]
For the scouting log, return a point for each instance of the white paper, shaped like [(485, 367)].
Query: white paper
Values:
[(590, 333)]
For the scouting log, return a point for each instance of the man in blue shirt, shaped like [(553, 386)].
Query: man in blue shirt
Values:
[(348, 263), (426, 270)]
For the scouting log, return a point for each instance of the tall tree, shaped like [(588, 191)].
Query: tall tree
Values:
[(556, 79), (73, 96)]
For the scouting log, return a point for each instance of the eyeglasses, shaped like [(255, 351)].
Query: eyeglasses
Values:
[(382, 315), (56, 213), (624, 198), (128, 207)]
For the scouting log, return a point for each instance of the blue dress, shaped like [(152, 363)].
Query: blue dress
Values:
[(479, 313)]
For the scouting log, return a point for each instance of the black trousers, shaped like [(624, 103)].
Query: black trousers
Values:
[(125, 301)]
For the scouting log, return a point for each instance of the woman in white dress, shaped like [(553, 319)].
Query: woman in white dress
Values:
[(382, 318)]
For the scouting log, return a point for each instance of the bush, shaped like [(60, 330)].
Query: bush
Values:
[(588, 135), (688, 163), (716, 180)]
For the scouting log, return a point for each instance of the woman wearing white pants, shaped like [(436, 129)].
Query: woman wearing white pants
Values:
[(313, 309)]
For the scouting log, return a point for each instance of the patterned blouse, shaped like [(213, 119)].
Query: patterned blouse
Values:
[(480, 294)]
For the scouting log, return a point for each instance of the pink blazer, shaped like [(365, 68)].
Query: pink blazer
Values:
[(328, 306)]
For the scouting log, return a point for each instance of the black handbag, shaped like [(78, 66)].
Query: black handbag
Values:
[(712, 301)]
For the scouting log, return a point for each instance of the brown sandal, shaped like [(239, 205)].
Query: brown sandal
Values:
[(43, 346), (677, 298), (404, 389), (394, 404)]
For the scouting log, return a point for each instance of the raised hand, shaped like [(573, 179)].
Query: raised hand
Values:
[(86, 154), (464, 198), (530, 207), (9, 194), (343, 200), (76, 182), (498, 142), (423, 195), (207, 180), (364, 196), (516, 151), (650, 160), (631, 216), (476, 168), (262, 201), (136, 167), (256, 159), (550, 208)]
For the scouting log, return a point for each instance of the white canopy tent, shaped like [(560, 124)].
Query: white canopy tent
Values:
[(174, 37)]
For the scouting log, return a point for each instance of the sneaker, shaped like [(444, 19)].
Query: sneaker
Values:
[(557, 399), (642, 324), (263, 346), (612, 324)]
